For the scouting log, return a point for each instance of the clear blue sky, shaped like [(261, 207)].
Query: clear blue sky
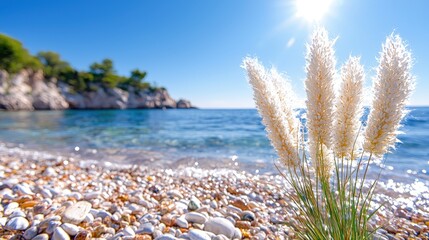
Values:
[(195, 47)]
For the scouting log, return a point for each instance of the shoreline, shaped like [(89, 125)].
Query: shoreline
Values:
[(38, 190)]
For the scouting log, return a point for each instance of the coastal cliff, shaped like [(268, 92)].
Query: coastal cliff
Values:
[(30, 90)]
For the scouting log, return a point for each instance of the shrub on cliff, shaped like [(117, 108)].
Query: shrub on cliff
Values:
[(14, 57), (53, 66)]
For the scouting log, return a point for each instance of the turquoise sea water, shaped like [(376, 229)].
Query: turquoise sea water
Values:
[(213, 138)]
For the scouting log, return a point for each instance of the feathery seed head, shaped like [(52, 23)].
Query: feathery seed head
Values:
[(392, 87), (348, 109), (271, 106), (286, 102), (319, 86)]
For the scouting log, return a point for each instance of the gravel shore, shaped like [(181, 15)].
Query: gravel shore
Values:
[(54, 197)]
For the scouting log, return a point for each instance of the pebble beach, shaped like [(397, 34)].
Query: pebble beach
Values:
[(46, 196)]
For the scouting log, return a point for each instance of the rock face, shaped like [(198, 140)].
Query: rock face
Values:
[(183, 103), (29, 90)]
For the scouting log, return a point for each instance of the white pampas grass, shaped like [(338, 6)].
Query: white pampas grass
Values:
[(287, 100), (392, 87), (319, 86), (274, 109), (348, 109), (323, 161), (333, 125)]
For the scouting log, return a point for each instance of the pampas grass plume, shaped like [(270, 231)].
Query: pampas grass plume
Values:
[(319, 86), (392, 87), (348, 109), (286, 99), (272, 110)]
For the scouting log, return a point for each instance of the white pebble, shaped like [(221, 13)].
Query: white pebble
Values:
[(196, 234), (17, 223), (22, 189), (42, 236), (49, 171), (181, 222), (3, 221), (77, 212), (60, 234), (91, 195), (195, 217), (30, 233), (220, 226), (128, 231), (10, 208), (69, 228)]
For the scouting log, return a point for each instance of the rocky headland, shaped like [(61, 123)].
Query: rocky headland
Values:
[(30, 90)]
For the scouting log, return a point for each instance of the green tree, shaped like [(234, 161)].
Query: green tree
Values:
[(105, 73), (102, 69), (137, 75), (136, 80), (14, 57), (53, 66)]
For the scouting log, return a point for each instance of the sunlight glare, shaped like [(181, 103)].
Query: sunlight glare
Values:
[(312, 10)]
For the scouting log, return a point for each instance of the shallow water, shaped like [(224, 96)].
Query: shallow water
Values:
[(212, 138)]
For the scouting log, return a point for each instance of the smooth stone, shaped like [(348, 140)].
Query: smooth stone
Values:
[(128, 231), (17, 213), (260, 236), (10, 208), (60, 234), (103, 214), (135, 208), (49, 171), (166, 237), (220, 226), (182, 205), (234, 209), (248, 216), (237, 234), (3, 221), (195, 217), (52, 226), (76, 195), (157, 233), (116, 216), (146, 228), (69, 228), (10, 182), (377, 236), (45, 223), (77, 212), (222, 237), (31, 232), (42, 236), (181, 222), (93, 212), (194, 204), (175, 193), (89, 218), (17, 223), (22, 189), (196, 234), (91, 195)]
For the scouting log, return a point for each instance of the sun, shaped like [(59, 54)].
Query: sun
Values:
[(312, 10)]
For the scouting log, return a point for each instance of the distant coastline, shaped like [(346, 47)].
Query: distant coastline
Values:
[(46, 82), (29, 90)]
